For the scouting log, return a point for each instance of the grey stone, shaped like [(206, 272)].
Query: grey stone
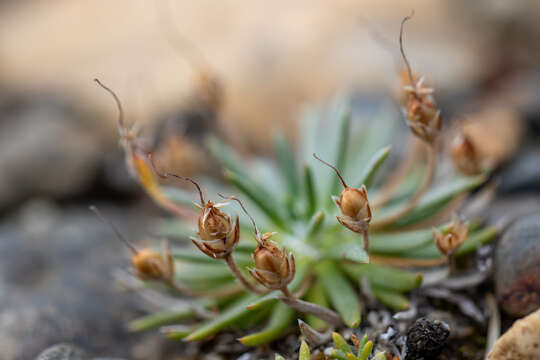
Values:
[(517, 267)]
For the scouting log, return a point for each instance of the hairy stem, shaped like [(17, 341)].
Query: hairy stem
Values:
[(413, 201), (305, 307), (240, 276)]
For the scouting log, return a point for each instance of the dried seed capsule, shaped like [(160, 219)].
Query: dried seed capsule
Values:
[(151, 265), (354, 206), (464, 155), (274, 268), (217, 236), (423, 116), (451, 240)]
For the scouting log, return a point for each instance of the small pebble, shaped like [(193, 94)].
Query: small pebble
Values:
[(426, 339)]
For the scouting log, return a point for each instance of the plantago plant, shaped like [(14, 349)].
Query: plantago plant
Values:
[(291, 252)]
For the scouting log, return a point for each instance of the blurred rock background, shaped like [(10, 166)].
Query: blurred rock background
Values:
[(58, 135)]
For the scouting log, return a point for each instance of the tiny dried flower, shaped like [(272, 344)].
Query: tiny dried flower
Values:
[(217, 237), (448, 242), (274, 268), (137, 163), (464, 155), (423, 116), (147, 263), (151, 265), (354, 206)]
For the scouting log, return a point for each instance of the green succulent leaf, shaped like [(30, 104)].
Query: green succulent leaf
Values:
[(369, 172), (304, 352), (309, 189), (279, 357), (160, 319), (352, 251), (287, 163), (280, 320), (384, 277), (232, 314), (340, 292), (392, 299), (340, 342), (366, 351), (433, 201)]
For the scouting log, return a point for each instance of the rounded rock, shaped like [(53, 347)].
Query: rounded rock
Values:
[(517, 267)]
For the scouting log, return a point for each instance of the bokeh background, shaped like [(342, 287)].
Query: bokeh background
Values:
[(58, 134)]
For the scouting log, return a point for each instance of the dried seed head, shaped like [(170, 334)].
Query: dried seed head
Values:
[(217, 236), (423, 116), (465, 156), (151, 265), (448, 242), (353, 203), (148, 263), (137, 163), (274, 269)]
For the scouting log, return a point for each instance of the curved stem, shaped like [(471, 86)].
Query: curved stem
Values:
[(413, 201), (240, 276), (365, 235), (321, 312), (392, 185)]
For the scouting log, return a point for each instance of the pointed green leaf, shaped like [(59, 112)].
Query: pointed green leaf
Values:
[(369, 172), (226, 156), (232, 314), (338, 354), (433, 201), (392, 299), (159, 319), (366, 351), (384, 276), (352, 251), (309, 188), (340, 292), (304, 352), (279, 357), (259, 196), (340, 343), (315, 224), (287, 163), (281, 318)]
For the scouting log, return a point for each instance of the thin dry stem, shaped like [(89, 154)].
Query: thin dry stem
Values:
[(245, 211), (118, 104), (117, 232), (333, 168), (240, 276), (166, 175), (365, 235), (413, 201), (409, 70), (305, 307)]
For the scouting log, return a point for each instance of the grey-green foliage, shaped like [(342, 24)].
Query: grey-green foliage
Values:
[(293, 197)]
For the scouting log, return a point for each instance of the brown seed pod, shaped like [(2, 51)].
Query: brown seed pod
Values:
[(217, 237), (423, 116), (450, 241), (354, 206), (274, 268), (464, 155), (151, 265), (147, 263)]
